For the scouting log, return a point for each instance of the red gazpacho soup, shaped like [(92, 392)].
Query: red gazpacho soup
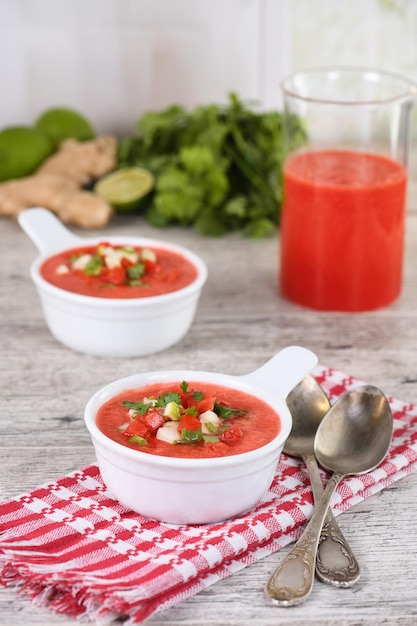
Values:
[(119, 271), (188, 420), (342, 230)]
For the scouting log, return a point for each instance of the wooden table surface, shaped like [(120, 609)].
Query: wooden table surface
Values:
[(241, 322)]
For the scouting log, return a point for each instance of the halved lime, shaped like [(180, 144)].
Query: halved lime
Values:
[(125, 189)]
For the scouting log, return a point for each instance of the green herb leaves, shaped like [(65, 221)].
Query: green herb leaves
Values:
[(94, 266), (191, 436), (136, 271), (225, 413), (143, 406), (138, 440), (217, 168), (165, 398), (140, 408)]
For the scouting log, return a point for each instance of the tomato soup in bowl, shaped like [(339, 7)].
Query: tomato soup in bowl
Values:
[(188, 420), (118, 296), (194, 447), (119, 270)]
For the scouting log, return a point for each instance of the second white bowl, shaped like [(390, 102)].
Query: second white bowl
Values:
[(109, 326)]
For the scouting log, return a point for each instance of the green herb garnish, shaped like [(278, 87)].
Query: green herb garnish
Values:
[(226, 412), (191, 410), (140, 407), (212, 427), (211, 438), (138, 439), (191, 436), (164, 398), (135, 272), (94, 266), (197, 395)]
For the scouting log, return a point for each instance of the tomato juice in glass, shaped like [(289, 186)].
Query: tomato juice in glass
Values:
[(344, 187), (342, 230)]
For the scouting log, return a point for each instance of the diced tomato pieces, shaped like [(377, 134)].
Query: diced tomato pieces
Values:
[(153, 420), (184, 396), (151, 267), (205, 404), (116, 276), (126, 263), (137, 427), (189, 422), (231, 435)]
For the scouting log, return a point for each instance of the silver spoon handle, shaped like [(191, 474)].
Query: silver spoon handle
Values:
[(293, 580), (335, 563)]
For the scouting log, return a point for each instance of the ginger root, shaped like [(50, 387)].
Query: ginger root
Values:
[(58, 183)]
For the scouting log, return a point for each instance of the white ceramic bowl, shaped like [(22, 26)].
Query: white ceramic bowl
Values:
[(198, 491), (102, 326)]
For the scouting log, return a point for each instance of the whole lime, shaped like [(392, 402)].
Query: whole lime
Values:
[(125, 189), (61, 123), (22, 150)]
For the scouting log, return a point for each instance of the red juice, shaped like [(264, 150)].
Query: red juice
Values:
[(342, 230)]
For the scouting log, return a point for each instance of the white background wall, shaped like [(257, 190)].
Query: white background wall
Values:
[(113, 59)]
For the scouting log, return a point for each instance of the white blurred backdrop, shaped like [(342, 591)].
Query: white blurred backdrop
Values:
[(114, 59)]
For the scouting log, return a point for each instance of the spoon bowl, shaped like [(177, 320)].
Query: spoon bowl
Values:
[(353, 438), (357, 434), (308, 404)]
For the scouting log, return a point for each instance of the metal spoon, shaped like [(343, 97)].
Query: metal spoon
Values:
[(308, 404), (353, 438)]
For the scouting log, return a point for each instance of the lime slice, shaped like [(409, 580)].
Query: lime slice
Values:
[(126, 188)]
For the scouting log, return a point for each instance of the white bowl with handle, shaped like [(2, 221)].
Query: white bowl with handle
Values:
[(198, 490), (129, 327)]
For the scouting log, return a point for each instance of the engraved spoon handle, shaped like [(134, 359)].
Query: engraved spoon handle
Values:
[(291, 583), (335, 563)]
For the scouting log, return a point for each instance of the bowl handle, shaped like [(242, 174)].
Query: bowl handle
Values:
[(284, 371), (46, 231)]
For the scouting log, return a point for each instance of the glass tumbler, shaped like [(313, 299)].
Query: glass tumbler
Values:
[(344, 190)]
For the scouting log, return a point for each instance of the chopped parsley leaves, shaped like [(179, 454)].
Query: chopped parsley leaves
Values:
[(141, 408)]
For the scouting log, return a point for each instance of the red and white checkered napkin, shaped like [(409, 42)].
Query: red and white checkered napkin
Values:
[(69, 546)]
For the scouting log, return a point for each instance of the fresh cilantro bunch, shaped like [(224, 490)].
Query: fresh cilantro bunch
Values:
[(217, 168)]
